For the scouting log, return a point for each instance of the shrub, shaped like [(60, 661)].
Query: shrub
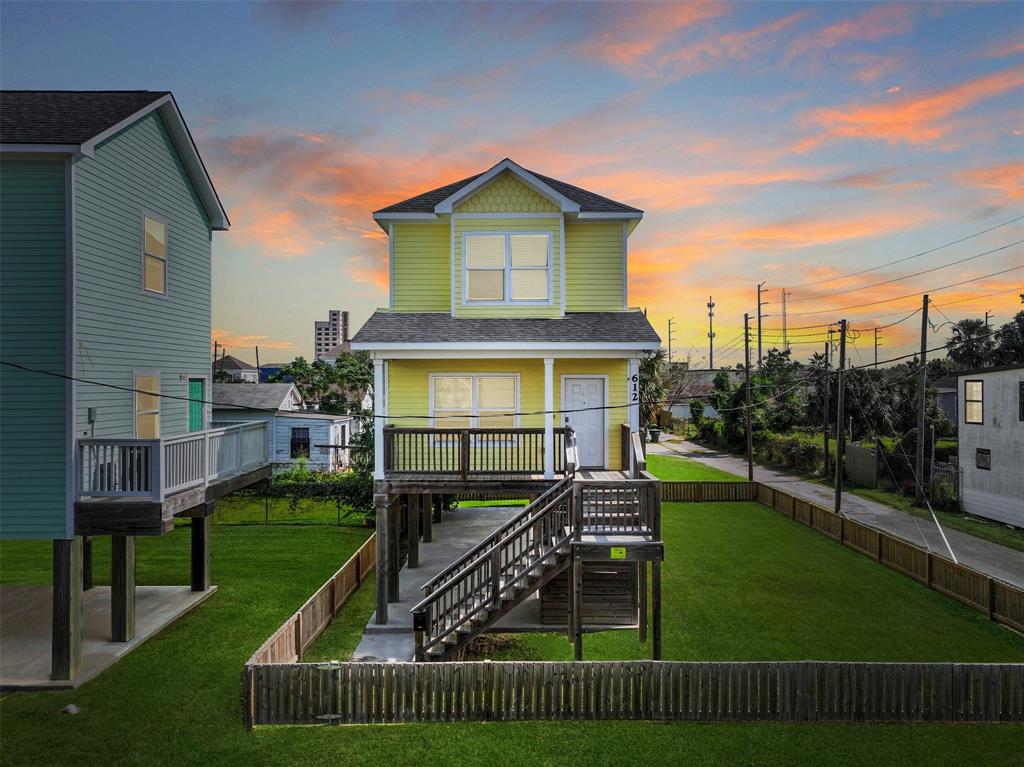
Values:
[(349, 488), (943, 495)]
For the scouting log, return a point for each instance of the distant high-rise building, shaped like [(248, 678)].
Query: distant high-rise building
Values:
[(331, 336)]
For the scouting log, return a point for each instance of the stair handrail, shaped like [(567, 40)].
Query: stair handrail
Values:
[(490, 588), (466, 558)]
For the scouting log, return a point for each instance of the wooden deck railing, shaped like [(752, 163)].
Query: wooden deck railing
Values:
[(156, 468), (469, 452)]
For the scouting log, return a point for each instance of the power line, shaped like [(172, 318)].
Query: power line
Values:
[(909, 258), (906, 276), (910, 295)]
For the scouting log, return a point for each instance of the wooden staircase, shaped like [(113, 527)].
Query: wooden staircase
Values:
[(496, 575)]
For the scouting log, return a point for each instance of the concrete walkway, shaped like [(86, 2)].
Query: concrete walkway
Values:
[(987, 557)]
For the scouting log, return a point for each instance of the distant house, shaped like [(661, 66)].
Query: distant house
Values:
[(945, 389), (295, 434), (991, 443), (235, 369)]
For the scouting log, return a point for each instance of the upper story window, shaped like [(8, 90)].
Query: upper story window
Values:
[(154, 255), (974, 401), (507, 268)]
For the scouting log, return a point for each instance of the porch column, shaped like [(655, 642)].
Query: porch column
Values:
[(379, 411), (122, 588), (549, 418), (66, 646), (633, 394)]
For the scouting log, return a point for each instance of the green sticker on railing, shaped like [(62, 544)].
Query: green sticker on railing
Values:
[(618, 552)]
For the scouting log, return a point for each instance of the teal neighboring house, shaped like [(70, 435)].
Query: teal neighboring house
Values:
[(107, 216)]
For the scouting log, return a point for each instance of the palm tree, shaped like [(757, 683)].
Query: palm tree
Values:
[(971, 344)]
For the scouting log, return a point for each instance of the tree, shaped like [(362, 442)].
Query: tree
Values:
[(1009, 342), (971, 344), (652, 385), (337, 388)]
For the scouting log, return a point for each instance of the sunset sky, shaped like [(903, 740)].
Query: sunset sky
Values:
[(776, 142)]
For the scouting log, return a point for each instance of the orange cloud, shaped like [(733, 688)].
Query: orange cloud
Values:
[(877, 23), (913, 121), (240, 345), (807, 231), (1006, 179)]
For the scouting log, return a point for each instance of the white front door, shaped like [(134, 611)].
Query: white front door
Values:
[(589, 424)]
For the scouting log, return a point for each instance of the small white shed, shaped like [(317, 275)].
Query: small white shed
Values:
[(991, 443)]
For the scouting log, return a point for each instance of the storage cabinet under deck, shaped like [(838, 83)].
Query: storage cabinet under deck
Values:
[(610, 596)]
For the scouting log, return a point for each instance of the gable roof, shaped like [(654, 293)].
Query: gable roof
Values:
[(572, 199), (76, 122), (228, 362), (253, 396), (440, 330)]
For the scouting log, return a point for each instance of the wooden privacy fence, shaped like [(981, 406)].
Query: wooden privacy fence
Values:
[(800, 691), (708, 491), (999, 601), (293, 638)]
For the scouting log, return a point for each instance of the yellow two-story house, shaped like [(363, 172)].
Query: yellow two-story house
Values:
[(508, 320)]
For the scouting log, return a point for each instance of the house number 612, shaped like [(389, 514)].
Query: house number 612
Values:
[(634, 388)]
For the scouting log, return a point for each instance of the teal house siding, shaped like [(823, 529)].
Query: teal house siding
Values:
[(33, 332), (121, 329)]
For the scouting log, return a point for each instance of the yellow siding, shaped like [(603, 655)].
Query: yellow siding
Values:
[(421, 271), (506, 194), (409, 386), (551, 224), (593, 266)]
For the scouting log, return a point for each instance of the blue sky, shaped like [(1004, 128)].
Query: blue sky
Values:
[(787, 142)]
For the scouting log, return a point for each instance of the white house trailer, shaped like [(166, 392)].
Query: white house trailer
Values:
[(319, 438), (991, 443)]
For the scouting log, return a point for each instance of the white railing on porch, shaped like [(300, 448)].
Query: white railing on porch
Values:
[(156, 468)]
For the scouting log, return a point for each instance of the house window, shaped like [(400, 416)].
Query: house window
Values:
[(474, 401), (974, 406), (983, 458), (147, 406), (508, 268), (154, 255), (300, 442)]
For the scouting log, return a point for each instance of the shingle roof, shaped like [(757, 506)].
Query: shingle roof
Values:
[(589, 202), (251, 396), (577, 327), (66, 117), (229, 362)]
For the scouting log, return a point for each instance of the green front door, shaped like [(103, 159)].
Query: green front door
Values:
[(195, 404)]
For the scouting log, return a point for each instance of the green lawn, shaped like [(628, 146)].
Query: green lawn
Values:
[(175, 700), (670, 467)]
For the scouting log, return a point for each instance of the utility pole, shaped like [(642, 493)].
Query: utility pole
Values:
[(750, 434), (988, 313), (711, 333), (922, 391), (785, 336), (670, 321), (257, 364), (215, 345), (759, 316), (840, 414), (825, 408), (876, 346)]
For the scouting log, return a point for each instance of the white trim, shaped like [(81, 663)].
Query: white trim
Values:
[(452, 263), (379, 410), (561, 257), (566, 205), (582, 352), (630, 216), (507, 270), (175, 124), (523, 345), (633, 369), (40, 148), (70, 329), (405, 217), (549, 419), (474, 412), (505, 215), (391, 266), (604, 404), (625, 268)]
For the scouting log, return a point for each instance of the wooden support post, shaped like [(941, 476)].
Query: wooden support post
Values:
[(413, 517), (642, 594), (383, 524), (66, 646), (86, 563), (201, 527), (395, 547), (122, 587), (577, 601), (440, 503), (427, 517), (656, 610)]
